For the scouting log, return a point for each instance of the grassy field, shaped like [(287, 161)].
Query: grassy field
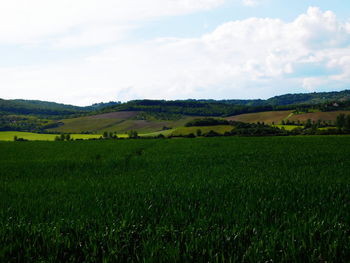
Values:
[(231, 199), (9, 136)]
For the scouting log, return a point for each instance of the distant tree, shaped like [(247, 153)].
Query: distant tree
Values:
[(15, 138), (191, 135), (340, 121), (68, 137), (57, 138), (105, 135), (199, 132), (347, 122), (133, 134), (62, 137), (308, 124)]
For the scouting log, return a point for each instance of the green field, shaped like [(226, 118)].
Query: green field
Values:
[(9, 136), (228, 199)]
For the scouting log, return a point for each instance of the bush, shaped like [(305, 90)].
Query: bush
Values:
[(207, 122), (212, 133)]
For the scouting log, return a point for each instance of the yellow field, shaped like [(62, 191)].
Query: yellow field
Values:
[(288, 127), (9, 136), (183, 131)]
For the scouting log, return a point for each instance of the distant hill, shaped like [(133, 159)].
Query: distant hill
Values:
[(154, 115), (185, 107), (309, 98), (45, 108)]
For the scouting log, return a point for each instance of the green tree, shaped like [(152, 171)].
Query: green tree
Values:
[(340, 121), (62, 137), (347, 122), (133, 134), (68, 137), (105, 135), (308, 124)]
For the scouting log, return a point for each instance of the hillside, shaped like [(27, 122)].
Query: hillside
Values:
[(120, 122), (277, 117), (45, 108)]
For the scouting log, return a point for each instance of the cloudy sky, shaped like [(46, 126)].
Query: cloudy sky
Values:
[(86, 51)]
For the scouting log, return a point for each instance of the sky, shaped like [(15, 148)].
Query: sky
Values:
[(88, 51)]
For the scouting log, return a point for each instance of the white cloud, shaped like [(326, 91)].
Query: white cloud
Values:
[(241, 59), (250, 2), (24, 21)]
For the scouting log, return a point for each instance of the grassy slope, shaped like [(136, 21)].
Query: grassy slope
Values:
[(277, 199), (117, 122)]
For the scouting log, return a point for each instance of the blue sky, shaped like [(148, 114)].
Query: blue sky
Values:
[(86, 51)]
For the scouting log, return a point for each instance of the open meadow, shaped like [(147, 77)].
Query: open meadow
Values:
[(227, 199)]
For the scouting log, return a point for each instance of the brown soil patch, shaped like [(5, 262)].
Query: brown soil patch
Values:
[(315, 116), (267, 117)]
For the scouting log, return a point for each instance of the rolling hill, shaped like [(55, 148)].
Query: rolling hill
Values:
[(119, 122), (157, 115), (277, 117)]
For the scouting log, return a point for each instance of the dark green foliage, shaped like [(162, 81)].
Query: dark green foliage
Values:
[(229, 199), (256, 129), (309, 98), (211, 133), (16, 139), (25, 123), (340, 121), (63, 137), (36, 107), (133, 134), (207, 122), (187, 107)]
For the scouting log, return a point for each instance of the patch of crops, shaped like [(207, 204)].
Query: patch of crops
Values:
[(231, 199)]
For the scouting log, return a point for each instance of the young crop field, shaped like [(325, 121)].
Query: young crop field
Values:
[(228, 199)]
